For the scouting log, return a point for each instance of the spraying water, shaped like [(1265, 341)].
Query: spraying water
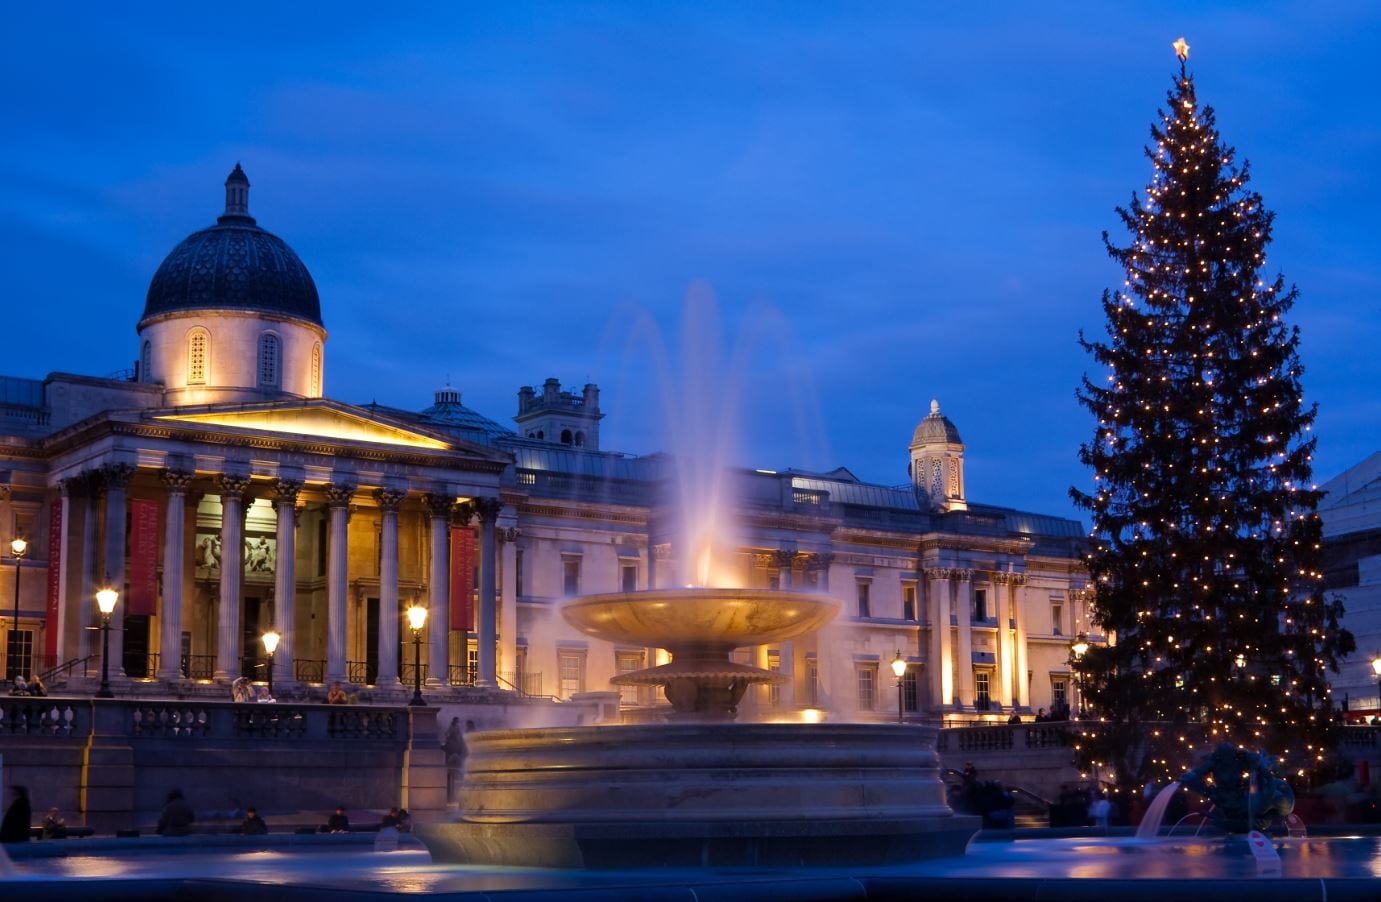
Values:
[(1155, 814)]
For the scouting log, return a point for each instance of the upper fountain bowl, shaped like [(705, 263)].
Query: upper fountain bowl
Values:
[(725, 618)]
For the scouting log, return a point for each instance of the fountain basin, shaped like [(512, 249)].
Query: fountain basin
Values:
[(694, 618)]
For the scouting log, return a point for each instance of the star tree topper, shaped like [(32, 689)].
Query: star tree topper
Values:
[(1181, 49)]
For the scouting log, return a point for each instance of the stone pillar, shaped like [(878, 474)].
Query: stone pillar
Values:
[(486, 623), (285, 492), (1006, 672), (93, 486), (963, 658), (1023, 698), (66, 488), (338, 497), (439, 588), (117, 477), (508, 604), (228, 645), (389, 500), (786, 651), (174, 566), (941, 666)]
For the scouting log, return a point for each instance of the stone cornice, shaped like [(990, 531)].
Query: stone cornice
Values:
[(545, 508)]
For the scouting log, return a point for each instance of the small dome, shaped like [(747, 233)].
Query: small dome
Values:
[(936, 428), (234, 264)]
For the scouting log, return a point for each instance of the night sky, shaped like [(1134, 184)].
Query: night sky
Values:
[(891, 202)]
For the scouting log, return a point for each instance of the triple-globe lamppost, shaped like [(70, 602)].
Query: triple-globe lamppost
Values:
[(417, 618), (105, 600)]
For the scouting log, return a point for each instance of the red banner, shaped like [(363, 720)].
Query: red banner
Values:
[(462, 578), (143, 557), (50, 629)]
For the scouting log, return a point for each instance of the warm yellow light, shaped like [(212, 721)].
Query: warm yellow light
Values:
[(270, 640), (18, 547), (899, 665), (313, 420), (417, 617), (105, 600), (1181, 49), (1079, 646), (1376, 665)]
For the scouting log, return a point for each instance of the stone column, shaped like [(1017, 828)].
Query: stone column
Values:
[(963, 658), (786, 651), (67, 488), (1023, 698), (285, 492), (486, 623), (1006, 672), (174, 567), (389, 500), (338, 497), (228, 644), (508, 604), (117, 477), (93, 486), (941, 666), (439, 590)]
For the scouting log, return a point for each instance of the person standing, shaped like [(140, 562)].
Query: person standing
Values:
[(15, 827), (253, 824), (177, 817)]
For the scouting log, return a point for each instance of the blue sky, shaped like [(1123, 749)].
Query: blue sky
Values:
[(892, 202)]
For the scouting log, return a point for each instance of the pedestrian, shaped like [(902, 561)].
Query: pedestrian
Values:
[(404, 824), (177, 817), (336, 695), (1101, 810), (338, 822), (1014, 719), (253, 824), (54, 827), (36, 687), (15, 827), (390, 819), (241, 690)]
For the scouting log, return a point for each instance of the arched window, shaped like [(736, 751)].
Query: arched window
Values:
[(565, 436), (580, 439), (146, 362), (268, 360), (198, 356), (541, 434), (316, 370)]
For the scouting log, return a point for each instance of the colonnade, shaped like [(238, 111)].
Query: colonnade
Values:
[(950, 596)]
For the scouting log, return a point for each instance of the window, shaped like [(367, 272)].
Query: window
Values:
[(316, 370), (198, 352), (627, 662), (580, 439), (812, 682), (629, 577), (908, 601), (571, 665), (146, 363), (980, 604), (570, 575), (1059, 694), (774, 690), (19, 657), (867, 686), (909, 697), (865, 592), (1057, 615), (566, 437), (269, 347), (518, 573), (472, 663), (982, 681)]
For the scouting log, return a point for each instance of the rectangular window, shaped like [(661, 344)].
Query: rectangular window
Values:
[(867, 686), (629, 577), (909, 697), (812, 682), (1059, 695), (627, 662), (570, 574), (518, 573), (774, 690), (980, 604), (19, 654), (908, 601), (865, 592), (1057, 616), (982, 680), (472, 663), (571, 664)]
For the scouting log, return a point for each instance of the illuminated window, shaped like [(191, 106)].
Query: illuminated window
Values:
[(909, 696), (269, 353), (867, 686), (316, 369), (1057, 615), (812, 682), (1059, 694), (982, 681), (571, 665), (627, 662), (198, 352), (774, 690), (908, 601)]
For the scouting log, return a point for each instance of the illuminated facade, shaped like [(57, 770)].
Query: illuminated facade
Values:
[(223, 446)]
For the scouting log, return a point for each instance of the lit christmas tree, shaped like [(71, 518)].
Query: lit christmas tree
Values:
[(1206, 552)]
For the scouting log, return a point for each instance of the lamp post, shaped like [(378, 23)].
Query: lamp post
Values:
[(17, 549), (417, 618), (105, 600), (899, 669), (1376, 669), (270, 640), (1078, 647)]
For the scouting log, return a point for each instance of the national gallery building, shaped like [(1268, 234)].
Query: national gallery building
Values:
[(223, 495)]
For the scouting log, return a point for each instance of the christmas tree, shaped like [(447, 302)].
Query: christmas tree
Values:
[(1205, 557)]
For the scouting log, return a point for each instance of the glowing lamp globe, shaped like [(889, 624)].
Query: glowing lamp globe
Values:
[(105, 600), (417, 617)]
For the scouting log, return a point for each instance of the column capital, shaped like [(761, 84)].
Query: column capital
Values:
[(661, 552), (819, 561), (232, 484), (783, 558), (389, 499), (338, 494), (939, 572), (964, 576), (285, 491), (511, 534), (117, 476), (487, 509), (438, 505), (176, 481)]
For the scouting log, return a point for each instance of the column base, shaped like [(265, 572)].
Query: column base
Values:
[(390, 683)]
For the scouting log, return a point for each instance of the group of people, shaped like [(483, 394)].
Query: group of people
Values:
[(16, 826), (32, 687), (1057, 713), (242, 690), (397, 818)]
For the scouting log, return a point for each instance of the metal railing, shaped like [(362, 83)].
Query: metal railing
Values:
[(410, 671), (199, 667), (61, 673), (309, 670)]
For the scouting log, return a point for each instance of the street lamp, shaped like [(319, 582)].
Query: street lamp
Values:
[(105, 600), (17, 549), (270, 640), (1376, 669), (417, 618), (899, 668), (1079, 647)]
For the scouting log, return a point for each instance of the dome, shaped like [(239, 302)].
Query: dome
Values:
[(936, 428), (234, 264)]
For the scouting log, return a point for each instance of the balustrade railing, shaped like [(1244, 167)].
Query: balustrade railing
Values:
[(43, 717), (170, 721), (362, 723)]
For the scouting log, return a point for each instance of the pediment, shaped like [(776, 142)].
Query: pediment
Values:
[(315, 420)]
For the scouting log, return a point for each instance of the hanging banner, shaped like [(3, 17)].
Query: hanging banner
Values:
[(143, 558), (50, 621), (462, 578)]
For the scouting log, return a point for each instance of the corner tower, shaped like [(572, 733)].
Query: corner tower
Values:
[(232, 315), (937, 463), (560, 416)]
